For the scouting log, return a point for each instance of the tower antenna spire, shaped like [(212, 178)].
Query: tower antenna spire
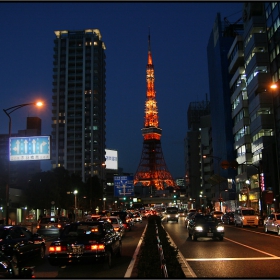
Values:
[(149, 41)]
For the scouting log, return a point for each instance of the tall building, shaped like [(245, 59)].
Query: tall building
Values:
[(272, 15), (78, 115), (152, 171), (220, 41), (197, 191)]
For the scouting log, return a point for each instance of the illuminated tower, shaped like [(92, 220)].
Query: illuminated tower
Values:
[(152, 171)]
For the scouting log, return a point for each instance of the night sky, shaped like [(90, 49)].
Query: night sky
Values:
[(179, 35)]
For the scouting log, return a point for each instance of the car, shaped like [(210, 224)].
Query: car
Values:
[(205, 226), (217, 214), (137, 217), (171, 214), (117, 224), (20, 244), (182, 213), (126, 219), (228, 218), (246, 216), (272, 223), (93, 217), (8, 270), (51, 226), (188, 217), (85, 242)]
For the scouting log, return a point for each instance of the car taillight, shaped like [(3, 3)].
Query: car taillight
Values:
[(116, 228), (38, 227), (95, 247), (59, 226), (57, 248)]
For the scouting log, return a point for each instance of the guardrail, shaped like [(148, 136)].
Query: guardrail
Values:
[(161, 255)]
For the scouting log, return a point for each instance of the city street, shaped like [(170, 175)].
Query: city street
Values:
[(244, 252)]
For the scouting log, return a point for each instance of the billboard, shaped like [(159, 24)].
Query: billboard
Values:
[(29, 148), (123, 186), (111, 159)]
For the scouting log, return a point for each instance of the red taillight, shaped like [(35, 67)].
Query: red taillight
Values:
[(95, 247), (116, 228), (57, 248), (59, 226)]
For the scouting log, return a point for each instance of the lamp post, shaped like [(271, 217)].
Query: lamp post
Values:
[(8, 112), (104, 203), (75, 212), (219, 172)]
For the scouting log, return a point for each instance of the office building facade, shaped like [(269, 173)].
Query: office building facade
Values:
[(79, 91)]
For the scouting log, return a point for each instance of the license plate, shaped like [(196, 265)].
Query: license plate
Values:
[(77, 250), (210, 234)]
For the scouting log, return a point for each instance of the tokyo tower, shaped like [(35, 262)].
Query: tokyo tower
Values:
[(152, 171)]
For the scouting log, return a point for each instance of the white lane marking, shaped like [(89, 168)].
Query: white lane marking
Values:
[(234, 259), (185, 266), (252, 248), (132, 262)]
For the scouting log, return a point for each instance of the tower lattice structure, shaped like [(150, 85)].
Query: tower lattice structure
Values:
[(152, 170)]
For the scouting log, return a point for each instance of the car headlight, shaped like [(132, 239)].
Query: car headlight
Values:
[(168, 216), (220, 228), (177, 216), (198, 228)]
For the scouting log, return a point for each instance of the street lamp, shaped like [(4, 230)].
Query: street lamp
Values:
[(8, 112), (104, 203), (75, 193), (219, 160)]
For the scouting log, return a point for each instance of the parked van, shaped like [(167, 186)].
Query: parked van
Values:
[(246, 216)]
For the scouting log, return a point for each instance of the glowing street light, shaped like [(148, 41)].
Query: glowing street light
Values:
[(75, 212), (8, 112)]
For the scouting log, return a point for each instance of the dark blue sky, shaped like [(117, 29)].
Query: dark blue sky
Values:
[(179, 36)]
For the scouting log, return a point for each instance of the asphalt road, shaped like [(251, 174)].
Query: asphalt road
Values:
[(244, 253)]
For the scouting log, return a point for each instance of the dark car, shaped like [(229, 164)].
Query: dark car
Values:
[(126, 219), (205, 226), (8, 270), (228, 218), (20, 244), (85, 242), (51, 226)]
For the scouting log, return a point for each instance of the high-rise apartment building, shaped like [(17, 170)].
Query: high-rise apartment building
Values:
[(78, 115)]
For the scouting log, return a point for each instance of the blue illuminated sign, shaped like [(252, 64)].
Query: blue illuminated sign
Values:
[(123, 186), (29, 148)]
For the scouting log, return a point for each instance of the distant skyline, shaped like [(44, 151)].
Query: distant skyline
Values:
[(179, 34)]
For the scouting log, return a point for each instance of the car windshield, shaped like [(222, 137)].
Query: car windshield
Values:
[(248, 212), (49, 220), (204, 219), (111, 220), (83, 230), (172, 210)]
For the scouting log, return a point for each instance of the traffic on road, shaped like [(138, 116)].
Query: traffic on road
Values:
[(231, 252)]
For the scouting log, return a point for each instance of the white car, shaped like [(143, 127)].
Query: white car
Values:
[(137, 217), (272, 223), (116, 223)]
